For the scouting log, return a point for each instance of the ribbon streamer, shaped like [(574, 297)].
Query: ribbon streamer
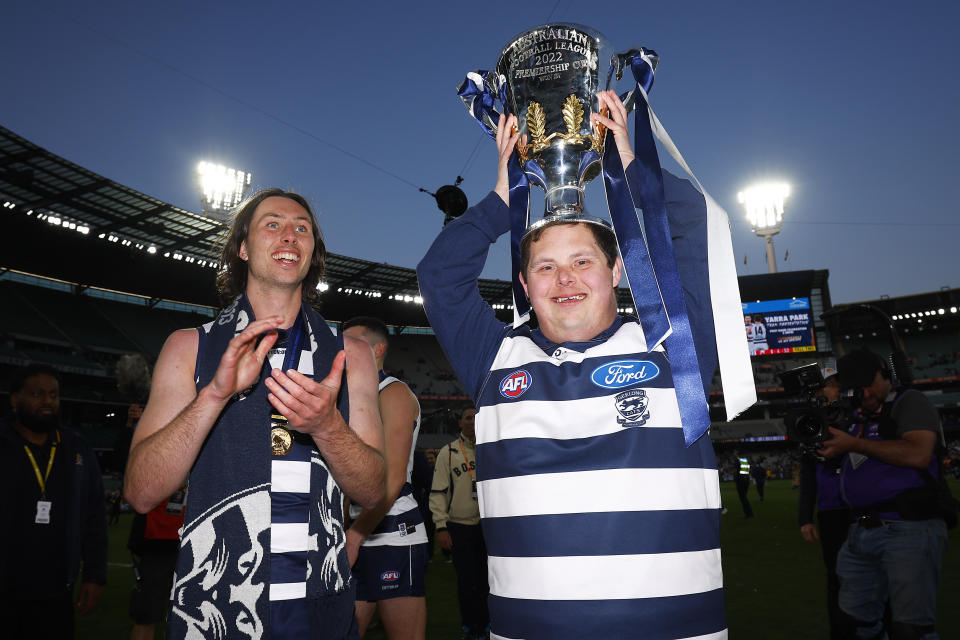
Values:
[(637, 265), (478, 95), (736, 373), (519, 219), (655, 283)]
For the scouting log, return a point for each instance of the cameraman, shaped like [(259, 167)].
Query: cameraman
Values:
[(897, 540)]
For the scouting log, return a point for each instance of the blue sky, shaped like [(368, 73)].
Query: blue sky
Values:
[(853, 103)]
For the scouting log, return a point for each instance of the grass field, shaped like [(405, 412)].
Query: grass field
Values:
[(774, 580)]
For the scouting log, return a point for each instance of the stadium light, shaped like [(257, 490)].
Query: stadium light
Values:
[(764, 205), (221, 188)]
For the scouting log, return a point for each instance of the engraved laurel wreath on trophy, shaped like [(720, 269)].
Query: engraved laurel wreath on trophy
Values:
[(549, 77)]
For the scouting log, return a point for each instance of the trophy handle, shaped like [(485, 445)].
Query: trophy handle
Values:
[(622, 61), (480, 90)]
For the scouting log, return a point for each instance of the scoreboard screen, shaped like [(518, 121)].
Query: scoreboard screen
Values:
[(778, 326)]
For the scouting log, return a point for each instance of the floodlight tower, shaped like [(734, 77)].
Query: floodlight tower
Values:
[(221, 188), (764, 204)]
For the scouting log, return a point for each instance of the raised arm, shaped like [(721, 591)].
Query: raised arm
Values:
[(687, 216), (464, 324), (177, 419), (353, 452)]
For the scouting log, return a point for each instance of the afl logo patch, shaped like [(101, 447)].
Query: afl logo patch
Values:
[(624, 373), (390, 576), (515, 384)]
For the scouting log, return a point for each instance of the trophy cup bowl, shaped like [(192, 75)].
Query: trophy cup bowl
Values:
[(553, 73)]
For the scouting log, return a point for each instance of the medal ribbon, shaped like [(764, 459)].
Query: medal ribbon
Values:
[(290, 356), (42, 480), (291, 359)]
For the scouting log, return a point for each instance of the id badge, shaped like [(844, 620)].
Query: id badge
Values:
[(43, 512), (175, 503), (474, 488)]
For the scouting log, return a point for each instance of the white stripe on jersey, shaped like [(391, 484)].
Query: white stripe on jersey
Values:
[(289, 536), (403, 504), (720, 635), (604, 490), (391, 538), (582, 419), (289, 476), (521, 351), (652, 575), (288, 590)]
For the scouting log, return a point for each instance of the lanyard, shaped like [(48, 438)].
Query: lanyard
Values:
[(42, 480), (463, 452)]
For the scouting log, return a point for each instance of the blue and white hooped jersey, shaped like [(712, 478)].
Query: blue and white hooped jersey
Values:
[(402, 526), (599, 521)]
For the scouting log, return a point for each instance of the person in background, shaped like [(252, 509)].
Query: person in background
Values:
[(456, 514), (54, 514)]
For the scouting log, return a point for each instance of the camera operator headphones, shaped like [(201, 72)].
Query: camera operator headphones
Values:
[(896, 368)]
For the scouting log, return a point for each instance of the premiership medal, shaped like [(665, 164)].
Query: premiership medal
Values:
[(281, 440)]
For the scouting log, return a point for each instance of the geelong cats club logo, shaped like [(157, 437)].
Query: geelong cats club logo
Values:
[(515, 384), (632, 407)]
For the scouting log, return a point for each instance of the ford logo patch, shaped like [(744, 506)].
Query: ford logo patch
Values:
[(515, 384), (624, 373)]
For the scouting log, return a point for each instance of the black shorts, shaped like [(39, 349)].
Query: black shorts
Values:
[(388, 572), (151, 594)]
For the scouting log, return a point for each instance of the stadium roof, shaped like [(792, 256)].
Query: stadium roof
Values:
[(49, 199)]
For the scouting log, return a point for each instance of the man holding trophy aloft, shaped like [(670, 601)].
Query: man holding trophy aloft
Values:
[(598, 492)]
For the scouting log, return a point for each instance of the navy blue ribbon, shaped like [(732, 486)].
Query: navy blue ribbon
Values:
[(694, 413), (641, 275), (291, 356), (519, 217), (479, 100)]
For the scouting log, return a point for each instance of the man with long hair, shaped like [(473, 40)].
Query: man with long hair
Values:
[(269, 417)]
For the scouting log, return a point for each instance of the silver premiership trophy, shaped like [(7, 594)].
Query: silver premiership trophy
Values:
[(549, 77)]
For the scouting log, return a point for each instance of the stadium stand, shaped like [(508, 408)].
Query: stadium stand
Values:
[(132, 269)]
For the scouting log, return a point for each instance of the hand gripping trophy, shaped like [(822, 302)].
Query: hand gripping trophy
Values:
[(549, 77)]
